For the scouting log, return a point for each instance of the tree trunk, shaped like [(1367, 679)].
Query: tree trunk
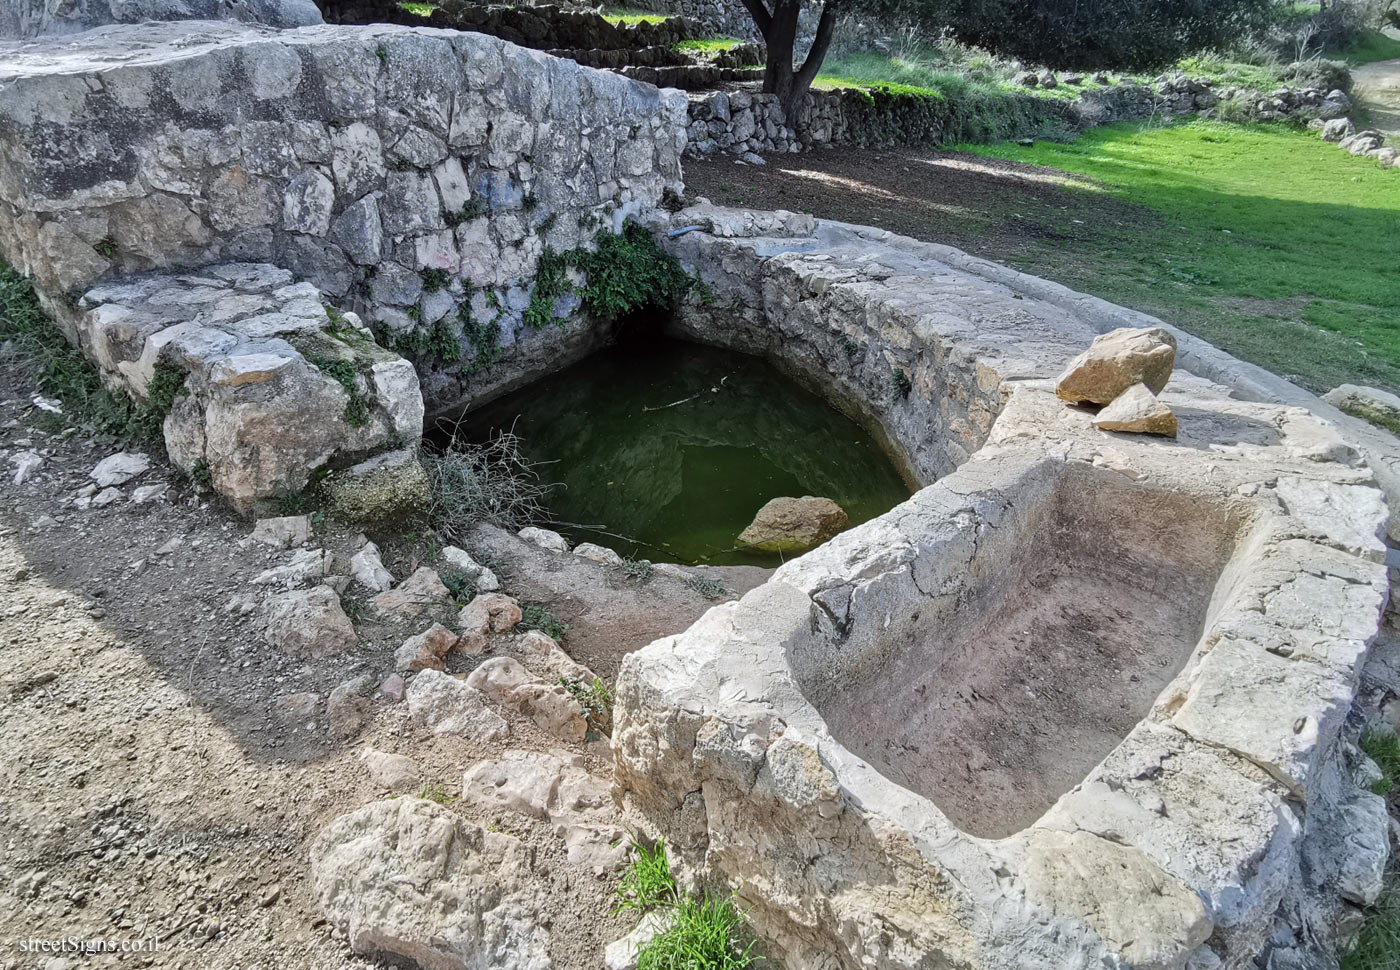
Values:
[(779, 30)]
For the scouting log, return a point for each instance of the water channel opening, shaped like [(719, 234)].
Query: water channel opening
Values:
[(665, 449)]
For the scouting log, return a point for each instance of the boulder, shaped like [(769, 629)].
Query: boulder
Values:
[(1366, 402), (347, 709), (309, 623), (794, 524), (368, 569), (381, 487), (408, 880), (599, 554), (1117, 360), (427, 651), (482, 578), (1137, 409), (545, 539), (498, 677), (445, 705), (415, 595), (395, 772), (489, 611), (307, 566), (120, 468), (283, 532)]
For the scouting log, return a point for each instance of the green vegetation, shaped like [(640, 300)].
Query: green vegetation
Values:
[(705, 935), (1265, 241), (709, 44), (490, 482), (702, 933), (434, 279), (900, 383), (474, 209), (596, 700), (646, 883), (1371, 46), (628, 17), (1384, 750), (625, 271), (711, 589), (636, 569), (421, 9), (435, 792), (32, 348), (1376, 945), (533, 616), (343, 373), (1223, 70), (462, 589)]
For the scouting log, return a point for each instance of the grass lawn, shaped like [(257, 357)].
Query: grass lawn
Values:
[(1267, 242), (1373, 46), (709, 44), (421, 9), (623, 15)]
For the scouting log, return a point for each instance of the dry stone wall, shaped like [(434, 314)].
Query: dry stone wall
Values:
[(34, 18), (411, 174)]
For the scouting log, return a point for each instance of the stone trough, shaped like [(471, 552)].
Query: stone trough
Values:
[(1080, 702)]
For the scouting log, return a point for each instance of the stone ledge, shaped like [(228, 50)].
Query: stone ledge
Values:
[(262, 368)]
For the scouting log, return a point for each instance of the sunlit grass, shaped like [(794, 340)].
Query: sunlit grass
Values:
[(623, 15), (1269, 242), (709, 44), (1372, 46)]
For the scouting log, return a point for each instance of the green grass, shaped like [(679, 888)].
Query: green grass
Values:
[(703, 932), (646, 883), (1376, 945), (1384, 750), (705, 935), (533, 616), (1372, 46), (1266, 241), (709, 44), (1212, 67), (627, 17), (421, 9)]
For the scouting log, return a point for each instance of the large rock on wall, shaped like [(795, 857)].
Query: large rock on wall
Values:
[(412, 174), (32, 18)]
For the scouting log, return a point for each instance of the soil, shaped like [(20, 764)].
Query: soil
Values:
[(988, 206), (1377, 90), (151, 786)]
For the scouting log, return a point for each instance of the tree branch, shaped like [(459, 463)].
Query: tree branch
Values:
[(808, 72), (760, 15)]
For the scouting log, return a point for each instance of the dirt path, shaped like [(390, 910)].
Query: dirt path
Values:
[(155, 781), (1377, 90)]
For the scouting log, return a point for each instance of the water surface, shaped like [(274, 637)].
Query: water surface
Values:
[(676, 446)]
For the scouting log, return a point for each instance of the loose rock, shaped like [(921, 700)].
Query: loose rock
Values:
[(120, 468), (794, 524), (1138, 410), (426, 651), (348, 708), (445, 705), (545, 539), (283, 532), (309, 623), (1117, 360), (395, 772), (415, 595), (368, 569)]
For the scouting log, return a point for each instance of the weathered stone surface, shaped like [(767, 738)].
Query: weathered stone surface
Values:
[(306, 568), (445, 705), (1137, 410), (389, 485), (309, 623), (545, 538), (408, 879), (306, 149), (426, 651), (368, 569), (256, 408), (416, 595), (282, 532), (1116, 361), (1368, 402), (120, 468), (348, 707), (395, 772), (32, 18), (496, 612), (484, 579), (555, 787), (1206, 817), (794, 524), (599, 554)]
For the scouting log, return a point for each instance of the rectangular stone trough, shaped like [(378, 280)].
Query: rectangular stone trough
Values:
[(1081, 702)]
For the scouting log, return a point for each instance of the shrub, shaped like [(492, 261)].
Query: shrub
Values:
[(533, 616), (490, 482)]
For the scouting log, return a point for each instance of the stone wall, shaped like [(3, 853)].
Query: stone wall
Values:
[(1222, 819), (413, 175), (741, 121), (34, 18)]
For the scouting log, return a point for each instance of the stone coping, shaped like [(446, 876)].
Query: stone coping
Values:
[(1193, 839)]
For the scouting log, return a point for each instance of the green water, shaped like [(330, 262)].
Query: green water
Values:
[(682, 481)]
